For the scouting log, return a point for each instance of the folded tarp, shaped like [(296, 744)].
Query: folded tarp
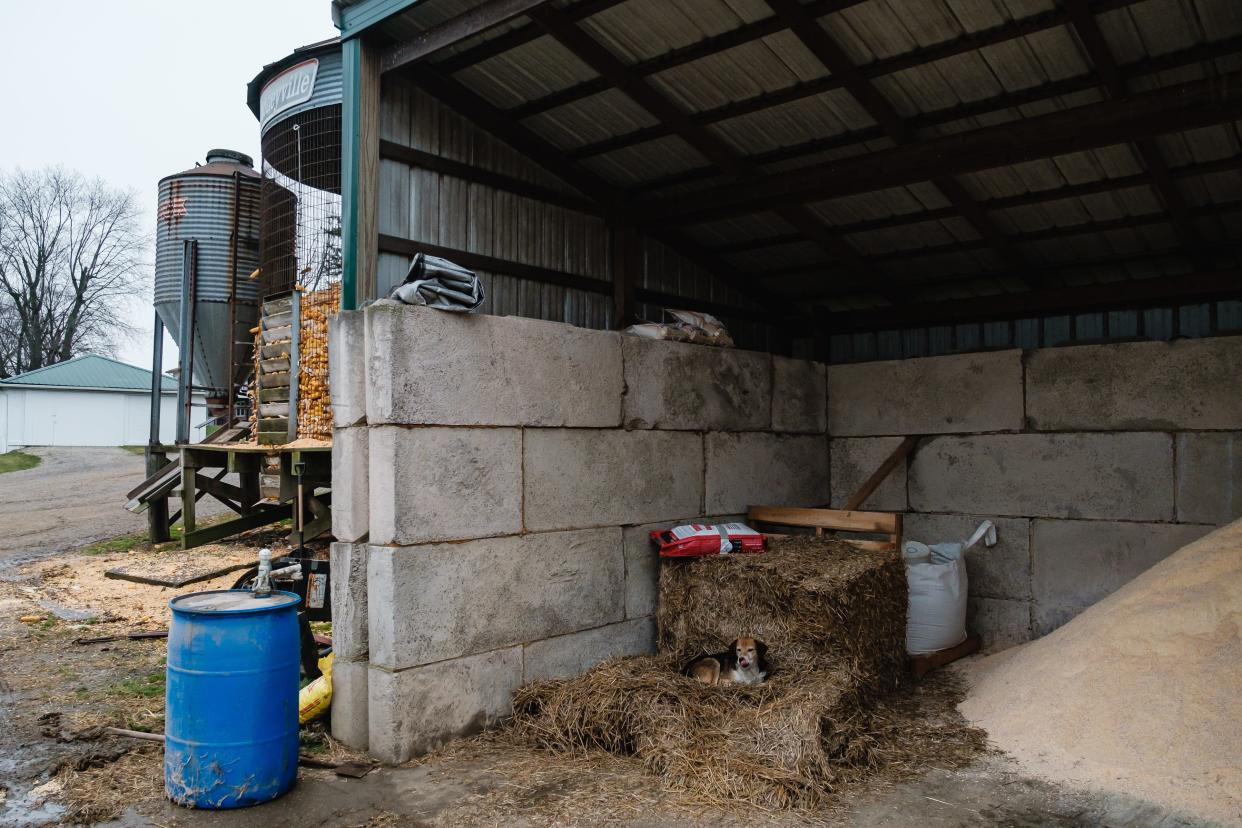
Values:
[(438, 283)]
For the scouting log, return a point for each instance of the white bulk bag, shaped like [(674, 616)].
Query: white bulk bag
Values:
[(936, 575)]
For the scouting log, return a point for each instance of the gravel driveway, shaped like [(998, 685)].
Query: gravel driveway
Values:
[(74, 497)]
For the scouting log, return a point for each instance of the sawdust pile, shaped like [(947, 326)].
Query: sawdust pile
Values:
[(834, 618), (1141, 693)]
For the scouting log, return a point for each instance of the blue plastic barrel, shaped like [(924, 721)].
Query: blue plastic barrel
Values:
[(231, 720)]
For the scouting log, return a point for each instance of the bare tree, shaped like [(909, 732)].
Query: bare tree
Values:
[(71, 254)]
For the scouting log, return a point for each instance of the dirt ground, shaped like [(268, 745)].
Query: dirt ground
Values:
[(57, 768), (73, 498)]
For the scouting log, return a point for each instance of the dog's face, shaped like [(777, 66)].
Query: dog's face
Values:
[(748, 652)]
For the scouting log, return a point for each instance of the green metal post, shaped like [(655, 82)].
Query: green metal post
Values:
[(351, 161)]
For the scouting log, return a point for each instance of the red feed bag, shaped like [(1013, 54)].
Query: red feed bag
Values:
[(699, 539)]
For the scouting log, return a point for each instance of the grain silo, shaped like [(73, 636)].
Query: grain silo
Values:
[(297, 100), (214, 207)]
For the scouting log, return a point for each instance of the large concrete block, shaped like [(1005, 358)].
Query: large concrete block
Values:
[(349, 601), (935, 395), (414, 711), (1126, 476), (1002, 571), (574, 654), (350, 719), (347, 354), (679, 386), (799, 395), (1209, 477), (438, 484), (1156, 386), (642, 562), (1076, 563), (999, 622), (854, 459), (351, 485), (440, 601), (429, 367), (765, 469), (577, 478)]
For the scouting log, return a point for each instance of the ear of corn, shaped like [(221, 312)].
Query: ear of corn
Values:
[(314, 412), (314, 402)]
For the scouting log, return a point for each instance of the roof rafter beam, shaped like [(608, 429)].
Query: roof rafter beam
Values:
[(1048, 234), (1190, 287), (475, 108), (1114, 84), (1176, 108), (712, 147), (913, 282), (834, 58), (1104, 185), (983, 106), (880, 68), (455, 30), (749, 32)]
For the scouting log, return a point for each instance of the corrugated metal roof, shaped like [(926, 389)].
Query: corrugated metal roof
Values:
[(91, 371), (946, 67)]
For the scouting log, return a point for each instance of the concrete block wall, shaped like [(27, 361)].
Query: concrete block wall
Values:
[(504, 474), (1094, 461)]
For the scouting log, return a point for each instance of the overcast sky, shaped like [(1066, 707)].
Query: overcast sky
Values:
[(134, 90)]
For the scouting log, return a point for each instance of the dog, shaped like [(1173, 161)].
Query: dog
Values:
[(745, 662)]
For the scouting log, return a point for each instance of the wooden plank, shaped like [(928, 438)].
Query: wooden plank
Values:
[(218, 531), (835, 519), (877, 477), (921, 665)]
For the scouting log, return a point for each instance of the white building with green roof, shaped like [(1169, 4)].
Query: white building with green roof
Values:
[(89, 400)]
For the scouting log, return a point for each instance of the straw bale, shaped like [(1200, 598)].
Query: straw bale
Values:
[(833, 616), (814, 601)]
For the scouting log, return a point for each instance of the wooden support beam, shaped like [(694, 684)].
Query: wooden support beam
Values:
[(476, 261), (1049, 234), (828, 52), (749, 32), (877, 477), (359, 173), (711, 146), (1138, 293), (453, 31), (519, 36), (218, 531), (1104, 185), (984, 106), (1114, 84), (391, 151), (475, 108), (1176, 108), (626, 257)]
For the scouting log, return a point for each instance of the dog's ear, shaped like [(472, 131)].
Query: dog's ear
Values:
[(763, 651), (733, 646)]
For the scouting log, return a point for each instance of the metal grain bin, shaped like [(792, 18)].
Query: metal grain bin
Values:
[(297, 100), (217, 205)]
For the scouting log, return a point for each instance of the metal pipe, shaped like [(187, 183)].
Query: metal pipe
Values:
[(157, 390), (183, 347)]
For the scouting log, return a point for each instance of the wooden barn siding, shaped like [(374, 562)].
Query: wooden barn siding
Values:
[(437, 208)]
